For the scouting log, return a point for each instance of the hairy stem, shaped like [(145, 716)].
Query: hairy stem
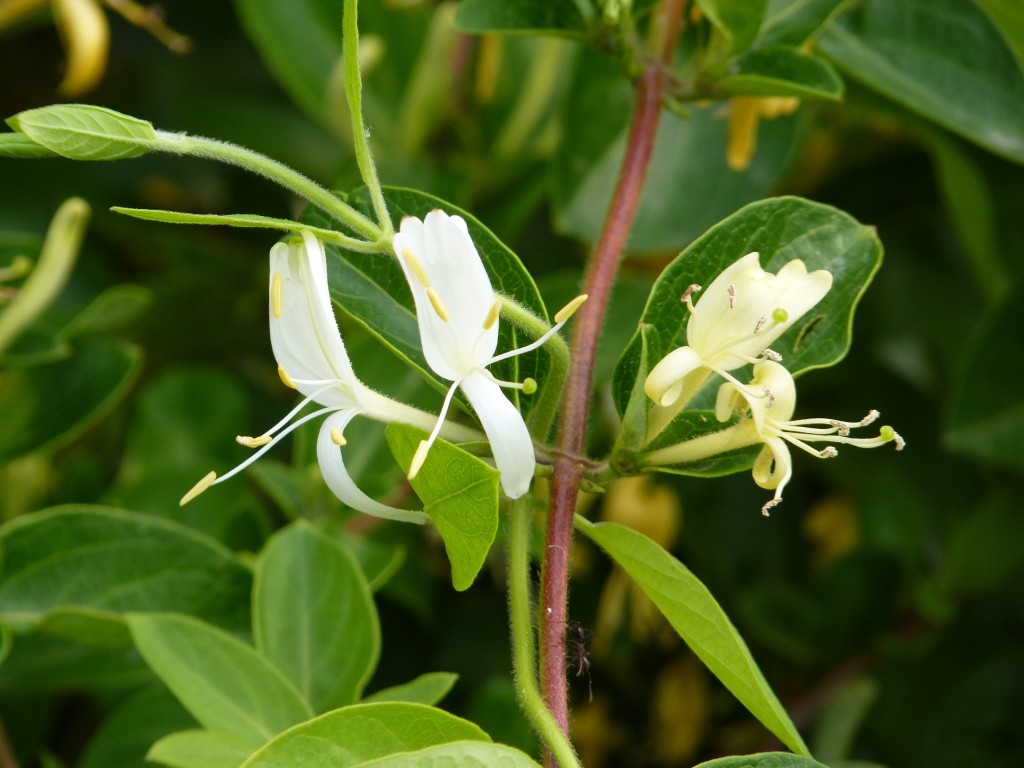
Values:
[(524, 662), (598, 281)]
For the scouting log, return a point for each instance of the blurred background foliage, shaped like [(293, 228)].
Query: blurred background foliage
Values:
[(884, 601)]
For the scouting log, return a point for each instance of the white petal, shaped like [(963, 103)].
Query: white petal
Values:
[(441, 246), (332, 467), (305, 337), (773, 466), (664, 383), (510, 439), (779, 381)]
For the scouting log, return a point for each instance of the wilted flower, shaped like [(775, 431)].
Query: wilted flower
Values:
[(458, 312)]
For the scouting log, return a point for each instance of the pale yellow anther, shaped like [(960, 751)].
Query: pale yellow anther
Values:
[(198, 488), (337, 438), (285, 378), (414, 263), (418, 458), (253, 442), (276, 295), (438, 305), (570, 309), (492, 315)]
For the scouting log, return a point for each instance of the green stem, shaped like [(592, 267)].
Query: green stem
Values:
[(307, 189), (60, 248), (524, 662), (354, 94), (549, 392)]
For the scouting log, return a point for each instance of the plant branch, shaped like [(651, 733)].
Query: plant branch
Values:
[(598, 280)]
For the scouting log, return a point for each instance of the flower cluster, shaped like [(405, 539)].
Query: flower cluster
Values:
[(458, 315), (738, 317)]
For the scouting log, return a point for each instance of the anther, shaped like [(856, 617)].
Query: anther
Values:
[(771, 354), (337, 438), (828, 452), (841, 427), (900, 442), (773, 503), (253, 442), (690, 290), (760, 322), (438, 305), (732, 296), (872, 415), (418, 458), (198, 488), (492, 315), (417, 268), (529, 386), (570, 309), (770, 397), (276, 297), (285, 378)]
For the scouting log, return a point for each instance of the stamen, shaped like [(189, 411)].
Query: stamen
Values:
[(285, 378), (492, 315), (872, 415), (570, 309), (438, 305), (337, 438), (276, 296), (771, 397), (828, 452), (253, 442), (417, 268), (760, 323), (731, 290), (771, 354), (263, 449), (690, 290), (418, 458), (769, 505), (421, 451), (198, 488), (841, 427)]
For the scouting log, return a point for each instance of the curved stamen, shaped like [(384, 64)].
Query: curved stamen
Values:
[(424, 447)]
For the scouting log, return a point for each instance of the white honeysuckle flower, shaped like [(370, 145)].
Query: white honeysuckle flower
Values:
[(735, 321), (458, 312), (312, 358), (771, 419)]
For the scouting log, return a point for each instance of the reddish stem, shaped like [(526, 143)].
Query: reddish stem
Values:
[(597, 283)]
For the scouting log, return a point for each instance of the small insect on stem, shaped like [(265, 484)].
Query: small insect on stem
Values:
[(576, 636)]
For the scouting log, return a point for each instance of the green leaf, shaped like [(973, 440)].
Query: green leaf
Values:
[(21, 146), (462, 754), (51, 404), (794, 22), (736, 21), (763, 760), (128, 732), (372, 288), (225, 684), (691, 424), (85, 132), (1008, 16), (245, 220), (105, 563), (200, 749), (459, 492), (426, 689), (780, 229), (634, 415), (995, 528), (353, 735), (943, 59), (557, 17), (688, 186), (783, 71), (112, 310), (986, 412), (314, 617), (699, 620)]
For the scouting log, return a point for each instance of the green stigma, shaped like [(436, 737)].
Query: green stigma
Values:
[(887, 433), (529, 386), (780, 315)]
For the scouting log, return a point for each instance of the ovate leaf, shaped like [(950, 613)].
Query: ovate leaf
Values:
[(699, 620), (783, 71), (199, 749), (20, 145), (426, 689), (85, 132), (354, 735), (763, 760), (462, 754), (244, 220), (793, 22), (737, 22), (313, 616), (225, 684), (459, 492)]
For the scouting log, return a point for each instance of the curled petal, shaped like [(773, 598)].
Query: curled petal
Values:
[(773, 467), (86, 35), (332, 466), (664, 383), (510, 439)]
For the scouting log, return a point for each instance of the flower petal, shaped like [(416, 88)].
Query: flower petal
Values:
[(452, 292), (773, 466), (303, 330), (664, 383), (510, 440), (332, 467)]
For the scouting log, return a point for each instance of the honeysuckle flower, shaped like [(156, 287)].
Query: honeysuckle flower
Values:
[(772, 420), (311, 358), (458, 313), (737, 318)]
